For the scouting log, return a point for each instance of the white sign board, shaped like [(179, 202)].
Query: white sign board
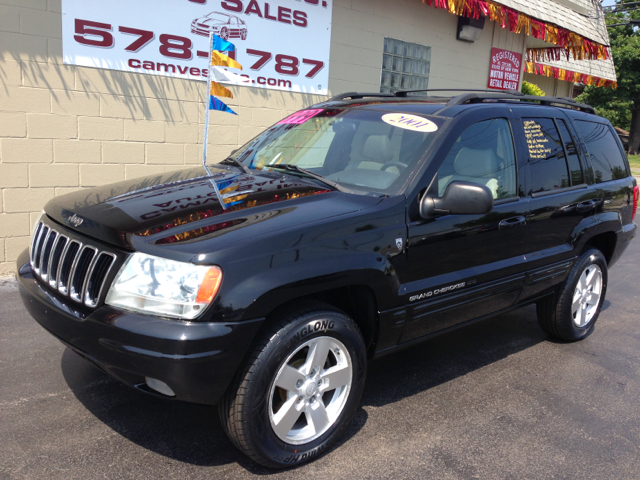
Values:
[(282, 44)]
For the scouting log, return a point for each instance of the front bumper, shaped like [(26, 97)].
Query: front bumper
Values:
[(197, 360)]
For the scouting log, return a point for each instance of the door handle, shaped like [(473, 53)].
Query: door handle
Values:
[(586, 206), (512, 222)]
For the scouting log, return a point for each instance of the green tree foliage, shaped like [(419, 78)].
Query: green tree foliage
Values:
[(532, 89), (622, 106)]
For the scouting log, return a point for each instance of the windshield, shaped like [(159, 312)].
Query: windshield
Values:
[(365, 150)]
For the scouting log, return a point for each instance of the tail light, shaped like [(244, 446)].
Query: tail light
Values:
[(635, 202)]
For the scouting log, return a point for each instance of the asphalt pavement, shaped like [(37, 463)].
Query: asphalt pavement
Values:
[(496, 400)]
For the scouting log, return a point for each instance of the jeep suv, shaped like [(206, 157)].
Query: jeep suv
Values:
[(351, 229)]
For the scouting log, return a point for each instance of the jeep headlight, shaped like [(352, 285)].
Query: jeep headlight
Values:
[(155, 285)]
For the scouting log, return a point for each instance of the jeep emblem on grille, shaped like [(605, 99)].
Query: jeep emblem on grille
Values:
[(75, 220)]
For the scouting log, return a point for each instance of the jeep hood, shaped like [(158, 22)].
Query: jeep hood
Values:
[(180, 209)]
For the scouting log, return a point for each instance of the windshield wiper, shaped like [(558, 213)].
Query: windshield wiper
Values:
[(320, 178), (235, 162)]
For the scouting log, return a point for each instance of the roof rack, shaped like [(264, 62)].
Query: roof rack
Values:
[(403, 93), (547, 101), (356, 95), (476, 96)]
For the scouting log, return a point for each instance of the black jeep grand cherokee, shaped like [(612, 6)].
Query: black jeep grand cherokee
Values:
[(346, 231)]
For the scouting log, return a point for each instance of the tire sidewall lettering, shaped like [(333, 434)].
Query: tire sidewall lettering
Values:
[(304, 333), (272, 446)]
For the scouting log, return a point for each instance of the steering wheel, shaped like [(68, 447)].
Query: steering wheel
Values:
[(400, 166)]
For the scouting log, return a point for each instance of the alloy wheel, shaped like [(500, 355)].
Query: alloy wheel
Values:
[(310, 390), (586, 297)]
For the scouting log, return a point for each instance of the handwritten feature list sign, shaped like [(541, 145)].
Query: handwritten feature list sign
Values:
[(505, 69), (536, 140)]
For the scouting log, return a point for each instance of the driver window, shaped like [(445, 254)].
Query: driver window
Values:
[(483, 154)]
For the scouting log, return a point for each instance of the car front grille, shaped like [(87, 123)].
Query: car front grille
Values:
[(67, 264)]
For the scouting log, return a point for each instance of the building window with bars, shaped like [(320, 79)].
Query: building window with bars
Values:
[(405, 66)]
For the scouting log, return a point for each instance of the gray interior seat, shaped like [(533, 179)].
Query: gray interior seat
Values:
[(375, 151), (473, 165)]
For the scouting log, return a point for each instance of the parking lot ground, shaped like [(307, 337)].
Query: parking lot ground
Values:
[(496, 400)]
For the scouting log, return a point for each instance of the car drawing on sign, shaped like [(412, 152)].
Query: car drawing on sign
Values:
[(357, 227), (222, 24)]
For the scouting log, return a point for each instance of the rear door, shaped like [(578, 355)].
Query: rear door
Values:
[(613, 180), (461, 267), (561, 196)]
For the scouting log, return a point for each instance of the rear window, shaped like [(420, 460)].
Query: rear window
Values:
[(606, 157)]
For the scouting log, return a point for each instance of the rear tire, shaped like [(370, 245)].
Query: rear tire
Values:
[(299, 388), (571, 313)]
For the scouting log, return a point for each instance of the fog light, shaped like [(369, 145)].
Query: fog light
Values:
[(159, 386)]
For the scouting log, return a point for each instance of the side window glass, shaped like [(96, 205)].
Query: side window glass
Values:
[(575, 170), (606, 158), (546, 155), (483, 154)]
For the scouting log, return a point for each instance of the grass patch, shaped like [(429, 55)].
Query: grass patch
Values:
[(634, 160)]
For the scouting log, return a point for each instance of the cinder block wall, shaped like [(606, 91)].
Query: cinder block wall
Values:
[(64, 128)]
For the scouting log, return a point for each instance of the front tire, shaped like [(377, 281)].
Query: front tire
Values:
[(299, 388), (571, 314)]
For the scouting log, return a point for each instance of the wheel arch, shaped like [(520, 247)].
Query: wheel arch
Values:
[(605, 242), (358, 301)]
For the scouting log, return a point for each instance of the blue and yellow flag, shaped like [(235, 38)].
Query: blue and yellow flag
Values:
[(219, 91), (221, 45), (221, 60), (215, 104)]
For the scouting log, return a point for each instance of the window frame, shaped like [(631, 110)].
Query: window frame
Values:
[(566, 153), (553, 118), (516, 197), (587, 154)]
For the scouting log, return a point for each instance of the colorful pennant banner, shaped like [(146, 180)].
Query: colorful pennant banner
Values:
[(568, 75), (219, 59), (215, 104), (222, 45), (220, 91), (517, 22)]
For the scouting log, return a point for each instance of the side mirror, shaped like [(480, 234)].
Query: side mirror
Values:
[(460, 198)]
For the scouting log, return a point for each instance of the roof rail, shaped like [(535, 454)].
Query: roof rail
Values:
[(403, 93), (476, 96), (547, 101), (356, 95)]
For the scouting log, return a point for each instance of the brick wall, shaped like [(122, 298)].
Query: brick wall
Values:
[(63, 128)]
